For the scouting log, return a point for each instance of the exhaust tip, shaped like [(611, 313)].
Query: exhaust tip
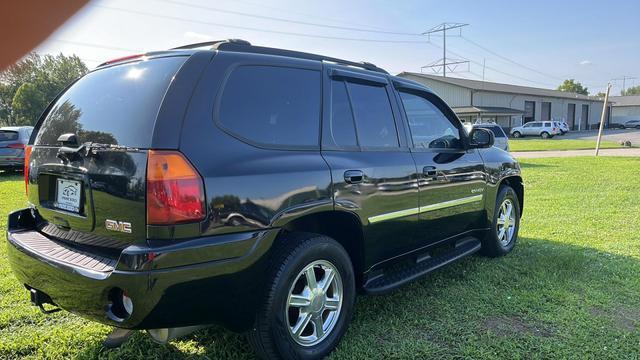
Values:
[(120, 305)]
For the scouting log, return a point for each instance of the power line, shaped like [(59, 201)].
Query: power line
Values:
[(509, 60), (494, 69), (94, 45), (290, 21), (315, 16), (176, 18)]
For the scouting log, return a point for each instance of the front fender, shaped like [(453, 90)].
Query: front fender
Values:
[(500, 167)]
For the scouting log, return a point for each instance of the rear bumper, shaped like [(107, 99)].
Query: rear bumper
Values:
[(203, 281)]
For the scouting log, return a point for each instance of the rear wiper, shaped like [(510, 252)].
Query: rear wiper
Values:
[(92, 148), (87, 149)]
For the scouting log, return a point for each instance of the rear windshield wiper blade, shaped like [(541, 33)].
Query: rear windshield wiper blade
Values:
[(92, 148)]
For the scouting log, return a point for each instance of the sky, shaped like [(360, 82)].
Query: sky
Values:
[(531, 43)]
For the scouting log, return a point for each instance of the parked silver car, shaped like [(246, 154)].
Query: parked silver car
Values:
[(13, 140), (632, 124), (501, 142), (564, 128), (544, 129)]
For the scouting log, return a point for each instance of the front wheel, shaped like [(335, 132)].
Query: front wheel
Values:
[(517, 134), (503, 234), (309, 302)]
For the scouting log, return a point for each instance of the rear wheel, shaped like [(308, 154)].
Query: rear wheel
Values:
[(310, 300), (503, 234), (545, 135), (516, 134)]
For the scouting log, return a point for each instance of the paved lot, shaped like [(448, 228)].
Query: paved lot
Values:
[(610, 135), (571, 153)]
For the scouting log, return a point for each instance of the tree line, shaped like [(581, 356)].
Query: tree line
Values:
[(27, 87)]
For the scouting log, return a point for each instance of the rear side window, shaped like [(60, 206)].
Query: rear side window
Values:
[(496, 130), (8, 135), (341, 127), (116, 105), (274, 106), (374, 118), (547, 124)]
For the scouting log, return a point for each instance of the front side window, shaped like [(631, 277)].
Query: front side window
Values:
[(374, 118), (274, 106), (430, 128)]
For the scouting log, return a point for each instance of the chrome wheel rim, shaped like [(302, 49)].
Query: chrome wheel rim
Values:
[(506, 224), (314, 303)]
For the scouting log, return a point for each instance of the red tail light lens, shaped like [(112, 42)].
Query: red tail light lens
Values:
[(175, 193), (27, 158), (16, 146)]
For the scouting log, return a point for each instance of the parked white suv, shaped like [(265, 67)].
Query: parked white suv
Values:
[(544, 129), (501, 141)]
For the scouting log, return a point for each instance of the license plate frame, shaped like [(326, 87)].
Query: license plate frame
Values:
[(68, 195)]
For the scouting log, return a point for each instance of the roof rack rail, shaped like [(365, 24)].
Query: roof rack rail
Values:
[(213, 44), (239, 45)]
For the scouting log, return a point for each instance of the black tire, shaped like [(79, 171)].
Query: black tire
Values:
[(492, 246), (271, 338), (516, 134), (545, 135)]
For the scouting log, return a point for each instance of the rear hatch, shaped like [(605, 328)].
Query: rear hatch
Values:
[(87, 174), (11, 146)]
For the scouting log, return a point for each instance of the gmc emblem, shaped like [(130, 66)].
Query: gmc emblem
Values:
[(119, 226)]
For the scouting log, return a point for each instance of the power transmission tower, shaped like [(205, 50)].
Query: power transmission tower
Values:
[(624, 81), (443, 62)]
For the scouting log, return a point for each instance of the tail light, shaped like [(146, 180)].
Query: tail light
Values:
[(175, 193), (16, 146), (27, 158)]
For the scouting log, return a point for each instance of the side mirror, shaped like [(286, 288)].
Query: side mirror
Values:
[(480, 138)]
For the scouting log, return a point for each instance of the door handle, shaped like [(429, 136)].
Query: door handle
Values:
[(353, 176), (430, 171)]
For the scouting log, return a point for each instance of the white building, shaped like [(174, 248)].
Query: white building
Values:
[(512, 105), (624, 108)]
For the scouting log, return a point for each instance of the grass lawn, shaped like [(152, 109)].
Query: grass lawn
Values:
[(531, 144), (570, 288)]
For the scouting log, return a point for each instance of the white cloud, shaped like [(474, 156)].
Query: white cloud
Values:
[(585, 62), (197, 36)]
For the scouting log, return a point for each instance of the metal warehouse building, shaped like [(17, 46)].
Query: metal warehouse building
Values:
[(512, 105), (624, 108)]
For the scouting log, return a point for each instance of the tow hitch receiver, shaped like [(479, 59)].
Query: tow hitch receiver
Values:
[(38, 298)]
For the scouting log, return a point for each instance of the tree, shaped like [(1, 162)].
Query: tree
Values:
[(27, 87), (601, 95), (570, 85), (631, 91)]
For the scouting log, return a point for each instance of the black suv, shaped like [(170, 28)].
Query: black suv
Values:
[(253, 187)]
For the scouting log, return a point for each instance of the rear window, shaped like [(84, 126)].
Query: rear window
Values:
[(496, 130), (273, 106), (547, 124), (8, 135), (116, 105)]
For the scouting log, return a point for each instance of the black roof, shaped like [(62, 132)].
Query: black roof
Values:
[(238, 45)]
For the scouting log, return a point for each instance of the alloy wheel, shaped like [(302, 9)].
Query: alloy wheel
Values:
[(506, 224), (314, 303)]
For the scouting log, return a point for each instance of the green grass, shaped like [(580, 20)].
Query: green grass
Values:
[(532, 144), (570, 288)]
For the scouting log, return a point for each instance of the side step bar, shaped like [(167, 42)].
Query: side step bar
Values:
[(390, 280)]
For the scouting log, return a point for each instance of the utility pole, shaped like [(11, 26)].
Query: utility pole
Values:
[(624, 81), (443, 62), (605, 109)]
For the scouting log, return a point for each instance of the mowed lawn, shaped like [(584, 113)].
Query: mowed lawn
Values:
[(557, 143), (570, 289)]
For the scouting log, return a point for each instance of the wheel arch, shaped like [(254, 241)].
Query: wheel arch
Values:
[(342, 226), (515, 182)]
